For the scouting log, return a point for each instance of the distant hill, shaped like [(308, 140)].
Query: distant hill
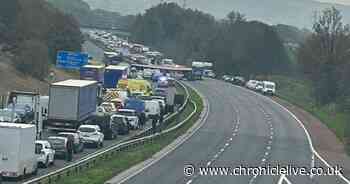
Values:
[(292, 12), (88, 17), (291, 34)]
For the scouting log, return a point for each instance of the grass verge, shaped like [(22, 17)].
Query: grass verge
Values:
[(105, 170), (299, 92)]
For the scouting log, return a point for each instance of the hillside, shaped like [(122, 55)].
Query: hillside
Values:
[(12, 79), (92, 18), (292, 12)]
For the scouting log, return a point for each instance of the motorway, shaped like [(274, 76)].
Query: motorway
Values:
[(242, 129)]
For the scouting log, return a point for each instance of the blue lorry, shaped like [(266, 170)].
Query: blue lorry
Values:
[(113, 73)]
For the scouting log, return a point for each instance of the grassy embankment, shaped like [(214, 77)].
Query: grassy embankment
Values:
[(299, 92), (126, 159)]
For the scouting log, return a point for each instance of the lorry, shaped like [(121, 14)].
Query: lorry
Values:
[(18, 156), (28, 106), (136, 104), (169, 94), (71, 103), (92, 72), (113, 74), (198, 69)]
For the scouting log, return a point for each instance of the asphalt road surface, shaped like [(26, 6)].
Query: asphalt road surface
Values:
[(242, 129)]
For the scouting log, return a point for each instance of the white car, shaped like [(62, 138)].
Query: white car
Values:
[(46, 153), (259, 86), (251, 84), (131, 116), (91, 134)]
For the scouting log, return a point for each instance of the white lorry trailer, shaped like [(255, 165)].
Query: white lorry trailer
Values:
[(17, 150), (71, 103)]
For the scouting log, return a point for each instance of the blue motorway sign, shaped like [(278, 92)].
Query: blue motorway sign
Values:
[(71, 60)]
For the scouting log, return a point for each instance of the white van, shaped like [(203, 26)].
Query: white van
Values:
[(17, 150), (269, 88)]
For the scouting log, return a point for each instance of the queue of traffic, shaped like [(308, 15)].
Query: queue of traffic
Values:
[(81, 113), (264, 87)]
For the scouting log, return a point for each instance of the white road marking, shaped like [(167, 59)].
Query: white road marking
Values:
[(306, 132), (282, 179), (268, 147), (189, 182), (266, 153), (209, 163)]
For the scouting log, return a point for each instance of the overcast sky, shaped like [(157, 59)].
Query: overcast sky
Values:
[(347, 2)]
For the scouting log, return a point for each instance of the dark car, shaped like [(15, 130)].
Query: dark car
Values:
[(238, 80)]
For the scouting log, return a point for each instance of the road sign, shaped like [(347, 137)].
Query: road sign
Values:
[(71, 60)]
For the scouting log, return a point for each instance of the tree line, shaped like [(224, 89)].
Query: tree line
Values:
[(34, 31), (325, 59), (235, 45)]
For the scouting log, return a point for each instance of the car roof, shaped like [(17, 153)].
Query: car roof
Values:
[(42, 142), (118, 115), (126, 110), (269, 82), (57, 137), (88, 126), (67, 133)]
